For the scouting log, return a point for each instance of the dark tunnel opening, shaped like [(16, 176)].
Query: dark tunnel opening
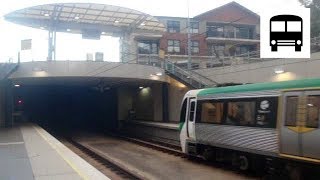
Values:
[(66, 109)]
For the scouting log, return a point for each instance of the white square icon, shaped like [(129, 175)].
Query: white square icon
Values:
[(285, 33)]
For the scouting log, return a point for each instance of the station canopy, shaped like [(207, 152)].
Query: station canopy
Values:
[(88, 19)]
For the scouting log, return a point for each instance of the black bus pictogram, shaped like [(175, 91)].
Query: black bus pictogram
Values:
[(286, 30)]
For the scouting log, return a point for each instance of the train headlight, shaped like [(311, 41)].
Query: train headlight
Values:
[(298, 42), (273, 42)]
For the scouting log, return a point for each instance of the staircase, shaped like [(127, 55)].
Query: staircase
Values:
[(188, 77)]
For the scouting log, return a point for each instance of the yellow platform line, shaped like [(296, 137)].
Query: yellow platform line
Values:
[(73, 166)]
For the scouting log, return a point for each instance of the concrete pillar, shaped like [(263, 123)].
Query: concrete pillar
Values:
[(128, 48), (157, 97), (165, 102), (125, 102)]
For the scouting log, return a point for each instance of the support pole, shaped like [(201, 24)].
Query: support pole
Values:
[(50, 45), (189, 40)]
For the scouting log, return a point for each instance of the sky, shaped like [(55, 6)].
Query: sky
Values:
[(72, 47)]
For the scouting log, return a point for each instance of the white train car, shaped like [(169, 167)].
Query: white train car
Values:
[(250, 125)]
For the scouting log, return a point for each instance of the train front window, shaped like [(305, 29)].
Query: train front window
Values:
[(313, 106), (294, 26), (183, 111), (192, 110), (211, 112), (291, 111), (278, 26)]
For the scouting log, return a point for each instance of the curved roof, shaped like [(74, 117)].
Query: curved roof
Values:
[(79, 17)]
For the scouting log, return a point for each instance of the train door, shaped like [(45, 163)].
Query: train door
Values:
[(310, 131), (191, 118), (300, 130), (289, 133)]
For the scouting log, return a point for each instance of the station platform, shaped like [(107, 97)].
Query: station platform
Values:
[(154, 131), (29, 152)]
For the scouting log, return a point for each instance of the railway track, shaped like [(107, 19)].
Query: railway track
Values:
[(105, 166), (160, 146), (176, 151), (113, 171)]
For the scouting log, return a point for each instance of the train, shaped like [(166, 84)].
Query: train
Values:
[(254, 125)]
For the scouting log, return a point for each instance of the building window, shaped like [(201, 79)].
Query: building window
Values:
[(291, 110), (215, 31), (241, 113), (210, 112), (242, 50), (194, 27), (173, 26), (173, 46), (195, 47), (313, 106), (217, 51), (242, 32), (148, 47)]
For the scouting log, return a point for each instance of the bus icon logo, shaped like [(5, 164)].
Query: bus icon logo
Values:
[(286, 30)]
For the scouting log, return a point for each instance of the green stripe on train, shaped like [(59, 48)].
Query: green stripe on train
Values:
[(303, 83), (180, 125)]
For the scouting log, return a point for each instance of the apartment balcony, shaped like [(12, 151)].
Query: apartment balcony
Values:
[(214, 37), (200, 62)]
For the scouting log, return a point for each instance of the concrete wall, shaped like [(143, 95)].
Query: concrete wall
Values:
[(86, 69), (176, 92), (264, 71), (146, 102), (2, 105)]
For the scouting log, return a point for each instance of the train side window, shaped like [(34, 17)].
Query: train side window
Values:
[(313, 106), (183, 111), (211, 112), (192, 110), (291, 111), (241, 113)]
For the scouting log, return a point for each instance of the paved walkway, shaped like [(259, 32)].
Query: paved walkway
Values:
[(29, 152)]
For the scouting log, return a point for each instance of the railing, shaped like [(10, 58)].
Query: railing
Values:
[(192, 78), (214, 34)]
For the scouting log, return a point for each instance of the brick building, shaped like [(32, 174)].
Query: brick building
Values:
[(227, 31)]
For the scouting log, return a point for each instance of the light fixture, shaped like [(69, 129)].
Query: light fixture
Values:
[(103, 32), (116, 21), (77, 17), (143, 24), (46, 14), (68, 30), (141, 87), (37, 69), (17, 85), (159, 73), (278, 70), (310, 105)]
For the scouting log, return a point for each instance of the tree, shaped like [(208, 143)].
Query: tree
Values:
[(314, 6)]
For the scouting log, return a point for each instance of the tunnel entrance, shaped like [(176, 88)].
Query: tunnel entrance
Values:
[(66, 108)]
